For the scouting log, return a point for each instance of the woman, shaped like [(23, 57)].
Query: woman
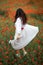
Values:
[(24, 32)]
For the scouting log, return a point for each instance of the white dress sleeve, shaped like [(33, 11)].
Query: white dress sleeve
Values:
[(18, 26)]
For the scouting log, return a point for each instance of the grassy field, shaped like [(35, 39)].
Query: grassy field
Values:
[(7, 30)]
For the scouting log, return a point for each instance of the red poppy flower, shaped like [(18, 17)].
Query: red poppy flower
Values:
[(22, 28)]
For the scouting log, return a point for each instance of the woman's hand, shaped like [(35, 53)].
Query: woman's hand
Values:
[(19, 36)]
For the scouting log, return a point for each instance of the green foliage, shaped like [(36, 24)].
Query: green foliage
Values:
[(37, 16), (3, 13)]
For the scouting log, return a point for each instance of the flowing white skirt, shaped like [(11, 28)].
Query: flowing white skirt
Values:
[(28, 34)]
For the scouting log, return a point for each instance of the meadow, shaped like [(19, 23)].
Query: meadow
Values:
[(34, 13)]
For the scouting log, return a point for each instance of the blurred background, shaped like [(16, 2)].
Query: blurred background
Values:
[(34, 13)]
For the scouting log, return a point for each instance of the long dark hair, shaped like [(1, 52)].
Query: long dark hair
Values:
[(20, 13)]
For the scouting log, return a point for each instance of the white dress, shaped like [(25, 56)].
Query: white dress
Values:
[(27, 34)]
